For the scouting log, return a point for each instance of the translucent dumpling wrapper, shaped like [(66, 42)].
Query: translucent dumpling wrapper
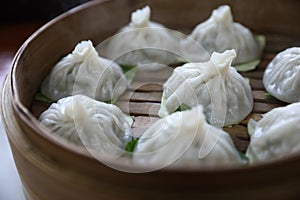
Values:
[(225, 95), (185, 139), (220, 33), (282, 76), (84, 72), (276, 135), (101, 128), (142, 42)]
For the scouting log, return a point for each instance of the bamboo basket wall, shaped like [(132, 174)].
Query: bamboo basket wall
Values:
[(51, 168)]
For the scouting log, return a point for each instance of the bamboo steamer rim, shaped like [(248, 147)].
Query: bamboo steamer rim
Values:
[(27, 117)]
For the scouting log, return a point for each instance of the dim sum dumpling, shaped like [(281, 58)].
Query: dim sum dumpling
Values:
[(282, 76), (84, 121), (220, 33), (225, 95), (142, 42), (185, 139), (84, 72), (276, 135)]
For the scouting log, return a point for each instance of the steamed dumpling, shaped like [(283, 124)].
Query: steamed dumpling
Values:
[(99, 126), (282, 76), (84, 72), (185, 139), (220, 33), (276, 135), (142, 42), (225, 95)]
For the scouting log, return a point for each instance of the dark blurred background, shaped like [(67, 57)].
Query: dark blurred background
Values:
[(25, 10), (18, 20)]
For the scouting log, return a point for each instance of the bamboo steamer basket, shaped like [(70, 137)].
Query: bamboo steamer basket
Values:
[(51, 168)]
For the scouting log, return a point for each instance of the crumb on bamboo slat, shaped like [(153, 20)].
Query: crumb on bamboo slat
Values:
[(237, 131)]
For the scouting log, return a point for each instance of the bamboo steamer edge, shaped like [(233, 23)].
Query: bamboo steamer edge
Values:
[(50, 168)]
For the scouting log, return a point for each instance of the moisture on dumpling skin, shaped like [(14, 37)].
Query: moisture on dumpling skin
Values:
[(185, 139), (282, 76), (220, 33), (99, 127), (276, 135), (142, 42), (225, 95), (84, 72)]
